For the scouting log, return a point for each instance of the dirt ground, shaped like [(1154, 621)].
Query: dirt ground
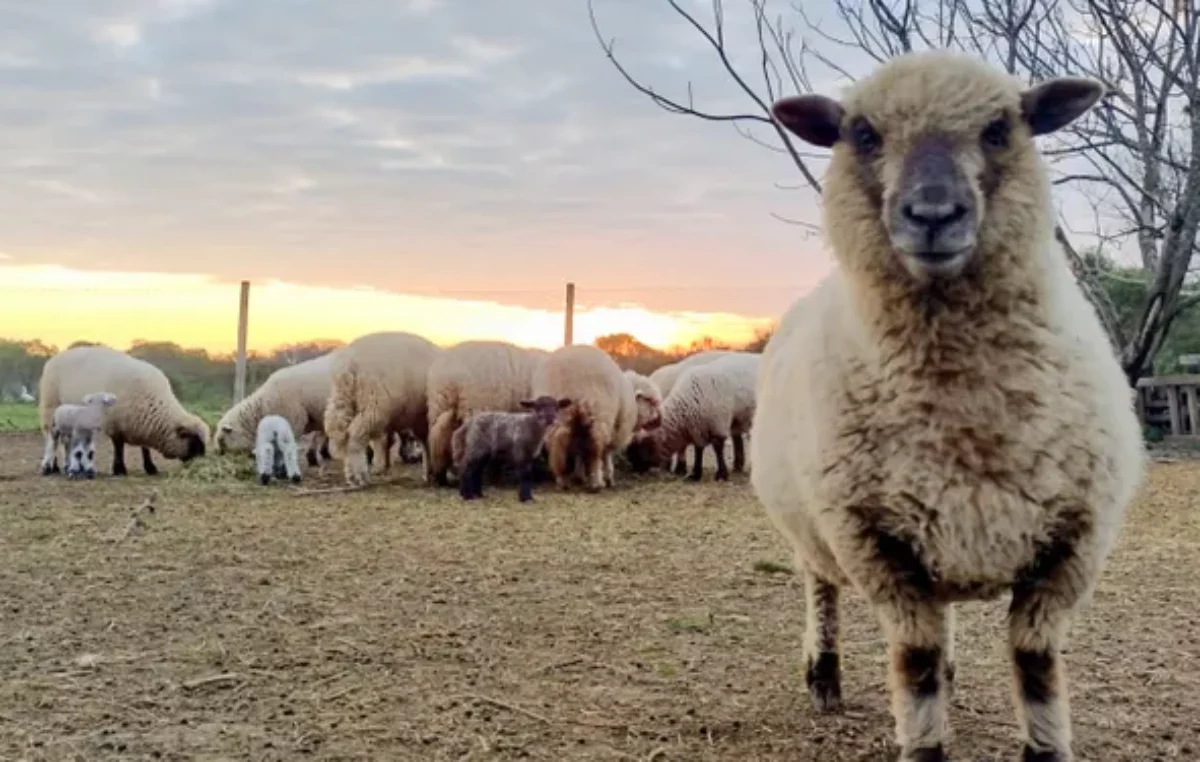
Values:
[(653, 623)]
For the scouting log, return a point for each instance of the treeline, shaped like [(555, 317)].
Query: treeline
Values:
[(206, 380)]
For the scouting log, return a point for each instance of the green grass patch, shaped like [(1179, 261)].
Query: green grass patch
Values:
[(697, 623), (772, 567), (18, 416)]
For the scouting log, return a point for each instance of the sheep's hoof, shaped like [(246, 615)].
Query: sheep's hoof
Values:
[(296, 479), (1029, 755), (722, 476), (441, 479), (525, 498), (90, 474), (120, 470), (927, 754), (151, 470), (264, 479), (824, 680), (311, 457), (693, 477), (48, 469), (949, 673)]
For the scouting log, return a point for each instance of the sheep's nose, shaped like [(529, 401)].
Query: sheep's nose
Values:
[(933, 215)]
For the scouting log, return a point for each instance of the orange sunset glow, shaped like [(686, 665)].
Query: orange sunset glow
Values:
[(60, 305)]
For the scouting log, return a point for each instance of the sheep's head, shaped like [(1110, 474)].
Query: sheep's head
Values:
[(545, 408), (933, 156), (649, 411), (410, 447), (232, 436), (187, 441)]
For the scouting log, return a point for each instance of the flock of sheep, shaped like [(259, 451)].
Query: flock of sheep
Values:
[(942, 420)]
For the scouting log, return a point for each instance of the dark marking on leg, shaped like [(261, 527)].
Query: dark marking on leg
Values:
[(823, 675), (525, 491), (311, 457), (296, 479), (264, 479), (932, 754), (718, 446), (698, 465), (325, 454), (1035, 673), (148, 463), (921, 668), (119, 468), (739, 453), (681, 463), (1028, 754)]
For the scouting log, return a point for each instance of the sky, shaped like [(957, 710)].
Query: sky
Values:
[(440, 166)]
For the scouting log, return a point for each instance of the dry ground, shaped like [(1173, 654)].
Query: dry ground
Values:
[(400, 624)]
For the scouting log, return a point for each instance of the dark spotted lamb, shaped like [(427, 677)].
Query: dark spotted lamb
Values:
[(517, 438)]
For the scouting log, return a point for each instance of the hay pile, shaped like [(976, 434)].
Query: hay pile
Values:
[(214, 468)]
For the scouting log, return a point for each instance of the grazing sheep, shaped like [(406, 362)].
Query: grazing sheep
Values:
[(599, 420), (75, 428), (943, 419), (514, 438), (379, 383), (275, 450), (709, 403), (146, 413), (649, 401), (469, 378), (298, 392), (666, 376)]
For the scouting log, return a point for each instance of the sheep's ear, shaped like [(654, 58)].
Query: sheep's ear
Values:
[(564, 402), (527, 403), (815, 119), (227, 428), (184, 431), (1055, 103)]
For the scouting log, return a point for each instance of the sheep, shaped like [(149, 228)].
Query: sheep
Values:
[(74, 428), (665, 377), (515, 438), (943, 418), (473, 377), (379, 383), (275, 450), (599, 420), (649, 401), (297, 392), (146, 413), (710, 403)]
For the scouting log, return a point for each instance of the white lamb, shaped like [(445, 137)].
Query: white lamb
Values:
[(75, 429), (275, 450), (944, 419)]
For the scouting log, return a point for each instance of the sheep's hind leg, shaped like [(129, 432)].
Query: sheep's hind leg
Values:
[(698, 465), (718, 445), (916, 642), (50, 455), (739, 454), (822, 655), (1038, 618), (148, 463), (681, 463), (118, 467)]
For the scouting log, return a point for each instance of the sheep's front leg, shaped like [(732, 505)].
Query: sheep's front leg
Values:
[(681, 462), (118, 444), (739, 454), (718, 445), (525, 491), (822, 659), (916, 632), (50, 454), (1039, 615), (610, 469), (148, 463), (698, 465)]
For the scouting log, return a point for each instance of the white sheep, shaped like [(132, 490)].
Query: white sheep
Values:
[(599, 420), (943, 419), (74, 428), (275, 451), (474, 377), (709, 404), (146, 413), (297, 392), (379, 383), (665, 377), (649, 401)]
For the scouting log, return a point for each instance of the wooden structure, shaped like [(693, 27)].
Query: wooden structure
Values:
[(1171, 404), (239, 373), (569, 317)]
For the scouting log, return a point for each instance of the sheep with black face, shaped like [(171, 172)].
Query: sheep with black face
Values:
[(944, 419)]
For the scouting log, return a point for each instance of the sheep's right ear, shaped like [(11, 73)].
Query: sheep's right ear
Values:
[(564, 402), (815, 119), (1057, 102)]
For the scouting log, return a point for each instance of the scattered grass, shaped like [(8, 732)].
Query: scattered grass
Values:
[(695, 623), (765, 566)]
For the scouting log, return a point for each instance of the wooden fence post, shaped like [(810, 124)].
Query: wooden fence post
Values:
[(239, 373), (569, 317)]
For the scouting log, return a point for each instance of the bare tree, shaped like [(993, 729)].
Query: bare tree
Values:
[(1133, 158)]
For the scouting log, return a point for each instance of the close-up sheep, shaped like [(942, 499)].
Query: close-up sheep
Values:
[(943, 419), (146, 413), (74, 429), (513, 439), (379, 383)]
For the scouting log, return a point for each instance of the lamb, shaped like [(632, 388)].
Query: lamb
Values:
[(709, 403), (146, 413), (599, 420), (275, 450), (943, 419), (515, 438), (75, 428), (379, 383), (473, 377), (298, 392)]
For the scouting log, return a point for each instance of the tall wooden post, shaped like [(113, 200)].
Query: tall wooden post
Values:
[(569, 317), (239, 373)]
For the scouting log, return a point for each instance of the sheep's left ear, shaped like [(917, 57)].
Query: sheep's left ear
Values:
[(564, 402), (815, 119), (526, 403), (1055, 103)]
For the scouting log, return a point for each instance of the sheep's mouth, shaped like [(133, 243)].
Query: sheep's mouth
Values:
[(939, 262)]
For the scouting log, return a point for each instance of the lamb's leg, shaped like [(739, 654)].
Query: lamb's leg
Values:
[(310, 453), (118, 444), (291, 462), (525, 491), (1038, 618), (470, 483), (719, 449), (822, 655), (50, 454), (148, 463), (610, 470), (739, 454), (698, 465)]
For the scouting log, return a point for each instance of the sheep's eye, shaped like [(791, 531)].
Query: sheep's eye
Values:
[(864, 136), (995, 135)]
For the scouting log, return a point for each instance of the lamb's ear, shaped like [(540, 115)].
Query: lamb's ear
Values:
[(815, 119), (564, 402), (527, 403), (1055, 103)]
